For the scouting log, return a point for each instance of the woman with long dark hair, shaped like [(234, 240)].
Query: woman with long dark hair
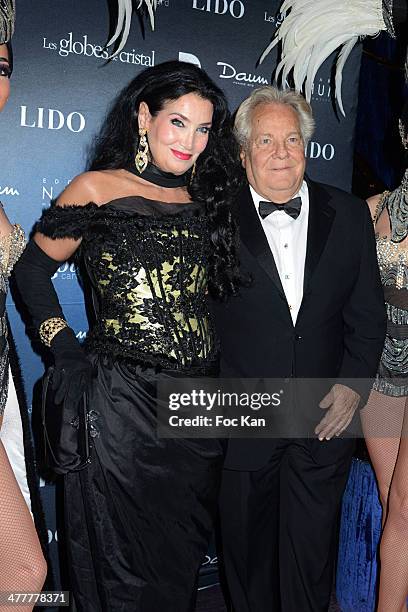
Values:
[(22, 565), (151, 223)]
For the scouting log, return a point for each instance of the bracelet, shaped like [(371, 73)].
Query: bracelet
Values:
[(50, 328)]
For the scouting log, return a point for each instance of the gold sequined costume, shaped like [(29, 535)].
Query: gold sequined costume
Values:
[(11, 247), (393, 262)]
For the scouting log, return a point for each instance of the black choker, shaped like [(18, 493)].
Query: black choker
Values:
[(153, 174)]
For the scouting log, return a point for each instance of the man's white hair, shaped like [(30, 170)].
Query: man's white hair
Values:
[(272, 95)]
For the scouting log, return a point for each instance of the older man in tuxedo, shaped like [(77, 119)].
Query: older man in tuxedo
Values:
[(313, 310)]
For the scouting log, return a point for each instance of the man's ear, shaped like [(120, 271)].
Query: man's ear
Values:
[(143, 116), (242, 157)]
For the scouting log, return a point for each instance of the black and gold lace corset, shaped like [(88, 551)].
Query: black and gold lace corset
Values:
[(147, 262)]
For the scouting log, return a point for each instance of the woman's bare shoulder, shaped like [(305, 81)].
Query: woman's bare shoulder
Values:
[(91, 186)]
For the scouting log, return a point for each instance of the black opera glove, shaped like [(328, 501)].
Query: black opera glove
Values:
[(73, 371)]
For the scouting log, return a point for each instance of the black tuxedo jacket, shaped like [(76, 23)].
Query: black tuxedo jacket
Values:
[(340, 328)]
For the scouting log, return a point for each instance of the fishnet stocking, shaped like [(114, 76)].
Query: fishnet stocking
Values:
[(386, 416), (22, 566)]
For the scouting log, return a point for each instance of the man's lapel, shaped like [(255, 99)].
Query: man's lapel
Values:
[(253, 236), (321, 217)]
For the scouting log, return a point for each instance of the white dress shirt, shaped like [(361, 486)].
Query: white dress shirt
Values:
[(287, 239)]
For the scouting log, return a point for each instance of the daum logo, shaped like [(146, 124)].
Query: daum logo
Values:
[(315, 150), (8, 191), (82, 46), (242, 78), (52, 119), (234, 8)]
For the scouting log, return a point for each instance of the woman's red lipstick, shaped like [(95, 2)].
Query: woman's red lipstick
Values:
[(180, 155)]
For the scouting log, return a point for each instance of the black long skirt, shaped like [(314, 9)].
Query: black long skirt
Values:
[(140, 516)]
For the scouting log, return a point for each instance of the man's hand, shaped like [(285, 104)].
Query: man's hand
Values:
[(342, 403)]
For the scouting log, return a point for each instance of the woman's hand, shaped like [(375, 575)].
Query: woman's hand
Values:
[(73, 371)]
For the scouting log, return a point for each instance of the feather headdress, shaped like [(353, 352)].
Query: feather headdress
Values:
[(313, 29), (7, 17), (125, 8)]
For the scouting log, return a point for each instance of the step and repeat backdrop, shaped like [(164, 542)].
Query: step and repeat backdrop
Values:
[(62, 85)]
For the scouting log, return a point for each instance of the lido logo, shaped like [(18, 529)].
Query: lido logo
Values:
[(315, 150), (235, 8), (52, 119)]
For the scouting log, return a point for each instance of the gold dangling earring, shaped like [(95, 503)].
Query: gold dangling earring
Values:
[(142, 155), (193, 171)]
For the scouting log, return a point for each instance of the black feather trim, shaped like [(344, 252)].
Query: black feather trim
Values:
[(66, 221)]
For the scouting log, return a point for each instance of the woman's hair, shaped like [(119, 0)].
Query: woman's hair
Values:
[(217, 174), (272, 95)]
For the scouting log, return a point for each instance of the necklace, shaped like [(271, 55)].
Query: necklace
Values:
[(154, 175)]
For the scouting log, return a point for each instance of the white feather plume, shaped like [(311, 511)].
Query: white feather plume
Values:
[(122, 30), (313, 29)]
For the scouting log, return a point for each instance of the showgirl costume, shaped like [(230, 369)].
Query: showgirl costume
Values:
[(11, 247), (14, 415), (139, 517), (392, 377), (15, 433)]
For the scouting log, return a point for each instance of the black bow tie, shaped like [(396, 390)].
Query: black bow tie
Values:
[(291, 208)]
